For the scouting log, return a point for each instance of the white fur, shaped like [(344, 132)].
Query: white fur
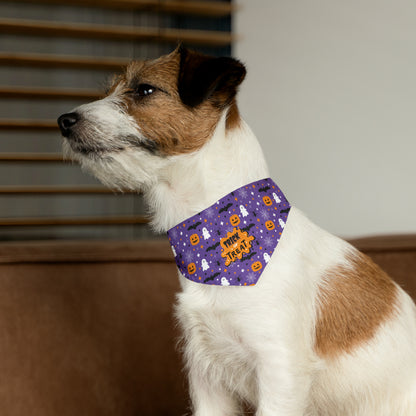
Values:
[(257, 343)]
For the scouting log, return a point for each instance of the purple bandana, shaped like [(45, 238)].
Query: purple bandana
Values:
[(231, 242)]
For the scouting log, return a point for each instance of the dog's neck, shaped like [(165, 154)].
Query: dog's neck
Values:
[(191, 183)]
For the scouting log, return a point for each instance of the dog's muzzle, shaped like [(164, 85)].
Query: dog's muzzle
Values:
[(67, 123)]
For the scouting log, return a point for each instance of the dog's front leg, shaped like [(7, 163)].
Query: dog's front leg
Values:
[(283, 385), (209, 399)]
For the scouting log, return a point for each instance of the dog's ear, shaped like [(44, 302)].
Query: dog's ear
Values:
[(202, 77)]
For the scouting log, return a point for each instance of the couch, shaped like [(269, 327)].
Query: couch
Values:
[(86, 328)]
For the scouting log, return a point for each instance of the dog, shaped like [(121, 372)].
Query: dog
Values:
[(320, 329)]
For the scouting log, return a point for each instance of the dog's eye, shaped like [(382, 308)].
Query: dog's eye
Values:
[(143, 90)]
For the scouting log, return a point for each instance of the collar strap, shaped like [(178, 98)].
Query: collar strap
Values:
[(231, 242)]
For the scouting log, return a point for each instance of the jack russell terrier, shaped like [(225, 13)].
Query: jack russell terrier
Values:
[(276, 313)]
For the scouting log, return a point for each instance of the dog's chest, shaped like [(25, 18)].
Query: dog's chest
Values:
[(213, 329), (215, 343)]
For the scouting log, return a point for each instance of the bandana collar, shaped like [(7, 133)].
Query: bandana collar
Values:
[(231, 242)]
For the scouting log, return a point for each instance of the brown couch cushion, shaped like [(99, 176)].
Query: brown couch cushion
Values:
[(86, 328)]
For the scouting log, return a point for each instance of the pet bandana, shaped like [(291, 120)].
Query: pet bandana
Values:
[(231, 242)]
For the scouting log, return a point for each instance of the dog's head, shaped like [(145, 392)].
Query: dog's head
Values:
[(155, 110)]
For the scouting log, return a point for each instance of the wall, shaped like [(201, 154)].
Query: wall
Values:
[(331, 95)]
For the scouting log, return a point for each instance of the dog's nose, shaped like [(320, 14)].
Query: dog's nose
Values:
[(66, 122)]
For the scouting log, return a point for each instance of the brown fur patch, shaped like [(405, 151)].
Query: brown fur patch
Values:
[(353, 302), (164, 120), (233, 116), (169, 126)]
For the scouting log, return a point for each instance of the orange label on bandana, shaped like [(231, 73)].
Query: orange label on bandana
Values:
[(235, 244)]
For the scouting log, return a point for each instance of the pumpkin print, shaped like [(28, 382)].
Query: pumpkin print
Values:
[(234, 220), (269, 225), (194, 239), (191, 268), (267, 200), (256, 266)]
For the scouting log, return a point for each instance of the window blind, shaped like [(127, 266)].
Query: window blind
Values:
[(56, 55)]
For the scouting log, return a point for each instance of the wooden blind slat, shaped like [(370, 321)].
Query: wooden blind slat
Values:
[(77, 30), (71, 221), (55, 190), (201, 8), (54, 61), (32, 157), (44, 125), (48, 93)]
